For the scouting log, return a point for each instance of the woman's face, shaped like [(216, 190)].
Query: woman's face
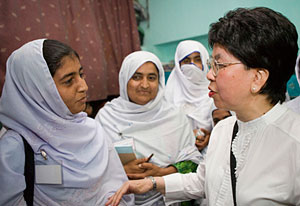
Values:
[(194, 58), (143, 85), (70, 83), (230, 89)]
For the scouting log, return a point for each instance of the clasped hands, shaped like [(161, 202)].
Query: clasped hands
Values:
[(202, 140), (140, 168)]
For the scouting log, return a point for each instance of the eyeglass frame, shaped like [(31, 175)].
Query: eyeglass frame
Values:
[(215, 66)]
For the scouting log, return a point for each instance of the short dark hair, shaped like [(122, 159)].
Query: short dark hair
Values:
[(54, 51), (260, 38)]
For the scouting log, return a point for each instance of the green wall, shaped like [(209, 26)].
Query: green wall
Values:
[(172, 21)]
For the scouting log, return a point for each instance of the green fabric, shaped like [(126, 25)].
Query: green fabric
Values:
[(183, 168)]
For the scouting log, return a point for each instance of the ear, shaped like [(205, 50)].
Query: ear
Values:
[(260, 78)]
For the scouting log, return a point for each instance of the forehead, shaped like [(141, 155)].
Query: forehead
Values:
[(147, 68), (68, 64), (220, 52), (193, 55)]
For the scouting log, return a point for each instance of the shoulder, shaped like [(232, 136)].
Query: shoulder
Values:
[(225, 123), (12, 151), (288, 124), (294, 104), (11, 140)]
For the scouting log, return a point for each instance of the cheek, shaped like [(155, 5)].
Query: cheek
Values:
[(199, 65), (233, 88), (228, 87), (67, 95), (155, 87)]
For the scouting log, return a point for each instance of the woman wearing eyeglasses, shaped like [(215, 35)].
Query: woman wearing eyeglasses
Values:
[(253, 158)]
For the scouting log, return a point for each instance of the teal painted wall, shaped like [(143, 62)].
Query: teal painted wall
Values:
[(172, 21)]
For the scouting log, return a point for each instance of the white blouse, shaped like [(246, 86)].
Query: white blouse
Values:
[(267, 150)]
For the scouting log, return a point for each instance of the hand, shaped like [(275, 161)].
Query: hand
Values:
[(152, 170), (202, 141), (132, 186), (134, 166)]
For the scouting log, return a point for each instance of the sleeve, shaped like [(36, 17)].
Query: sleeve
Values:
[(12, 161), (181, 187)]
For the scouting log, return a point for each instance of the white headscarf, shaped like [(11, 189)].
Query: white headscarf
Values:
[(31, 105), (294, 104), (181, 91), (297, 69), (155, 127)]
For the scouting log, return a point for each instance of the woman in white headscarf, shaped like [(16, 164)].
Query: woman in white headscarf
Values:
[(187, 87), (41, 106), (294, 104), (141, 114)]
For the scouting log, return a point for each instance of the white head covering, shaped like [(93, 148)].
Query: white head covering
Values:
[(31, 106), (294, 104), (297, 69), (181, 91), (155, 127)]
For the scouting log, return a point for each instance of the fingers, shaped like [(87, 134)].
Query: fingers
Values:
[(137, 176), (206, 132), (116, 198), (141, 160)]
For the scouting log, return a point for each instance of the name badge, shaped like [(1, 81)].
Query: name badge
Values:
[(48, 174)]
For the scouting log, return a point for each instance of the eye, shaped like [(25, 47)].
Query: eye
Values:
[(186, 61), (69, 81), (82, 75), (136, 77), (221, 65), (152, 77), (198, 59)]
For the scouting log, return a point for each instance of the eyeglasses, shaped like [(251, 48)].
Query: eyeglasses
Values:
[(216, 66)]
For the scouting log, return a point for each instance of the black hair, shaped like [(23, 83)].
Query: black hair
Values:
[(260, 38), (54, 51)]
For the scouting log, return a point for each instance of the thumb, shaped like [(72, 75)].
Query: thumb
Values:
[(141, 160)]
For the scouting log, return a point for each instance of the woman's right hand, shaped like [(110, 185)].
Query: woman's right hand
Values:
[(132, 186), (135, 166)]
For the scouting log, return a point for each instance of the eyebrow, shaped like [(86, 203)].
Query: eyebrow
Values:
[(139, 73), (70, 74)]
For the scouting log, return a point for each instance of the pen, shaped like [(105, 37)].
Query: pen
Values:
[(149, 158)]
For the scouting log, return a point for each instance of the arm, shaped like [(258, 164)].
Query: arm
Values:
[(151, 169), (12, 168), (174, 186), (185, 186), (136, 187)]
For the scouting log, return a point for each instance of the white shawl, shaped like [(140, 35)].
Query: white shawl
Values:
[(155, 127), (183, 93)]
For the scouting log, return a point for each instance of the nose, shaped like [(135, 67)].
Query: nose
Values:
[(210, 76), (145, 83), (82, 87)]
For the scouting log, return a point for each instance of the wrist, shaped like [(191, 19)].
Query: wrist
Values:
[(153, 182)]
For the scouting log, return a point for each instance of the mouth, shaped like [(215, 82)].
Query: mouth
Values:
[(82, 100), (144, 92), (211, 92)]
